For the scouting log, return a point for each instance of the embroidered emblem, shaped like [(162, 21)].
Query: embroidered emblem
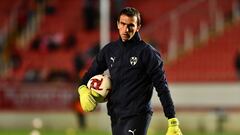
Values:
[(133, 61), (132, 131), (112, 61)]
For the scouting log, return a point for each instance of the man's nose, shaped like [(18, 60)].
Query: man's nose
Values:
[(126, 29)]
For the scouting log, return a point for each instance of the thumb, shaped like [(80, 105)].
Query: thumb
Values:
[(95, 94)]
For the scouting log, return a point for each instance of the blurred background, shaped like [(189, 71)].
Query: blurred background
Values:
[(47, 45)]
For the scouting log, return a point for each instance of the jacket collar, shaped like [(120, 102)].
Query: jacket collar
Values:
[(135, 39)]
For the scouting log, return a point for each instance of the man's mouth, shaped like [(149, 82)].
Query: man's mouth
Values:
[(125, 35)]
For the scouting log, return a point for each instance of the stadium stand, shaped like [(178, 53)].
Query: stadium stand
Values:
[(189, 15), (212, 62), (153, 9), (66, 17), (5, 11)]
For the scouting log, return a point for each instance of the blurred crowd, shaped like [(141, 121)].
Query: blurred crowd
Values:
[(51, 41), (13, 55)]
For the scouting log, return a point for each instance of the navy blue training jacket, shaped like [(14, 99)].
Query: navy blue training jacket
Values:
[(135, 68)]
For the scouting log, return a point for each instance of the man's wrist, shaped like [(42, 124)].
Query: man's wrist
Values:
[(173, 122)]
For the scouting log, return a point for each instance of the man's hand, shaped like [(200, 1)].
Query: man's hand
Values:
[(98, 98), (173, 127), (87, 100)]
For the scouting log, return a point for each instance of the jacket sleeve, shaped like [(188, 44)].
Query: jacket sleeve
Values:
[(154, 66), (98, 66)]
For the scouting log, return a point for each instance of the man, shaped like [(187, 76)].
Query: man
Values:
[(135, 68)]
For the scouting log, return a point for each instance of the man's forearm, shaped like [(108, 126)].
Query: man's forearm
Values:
[(167, 103)]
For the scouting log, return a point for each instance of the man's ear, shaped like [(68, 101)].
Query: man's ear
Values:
[(117, 24), (138, 27)]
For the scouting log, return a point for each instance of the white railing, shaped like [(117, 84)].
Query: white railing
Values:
[(179, 30)]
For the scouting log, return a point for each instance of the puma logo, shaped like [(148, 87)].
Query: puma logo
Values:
[(132, 131), (113, 59)]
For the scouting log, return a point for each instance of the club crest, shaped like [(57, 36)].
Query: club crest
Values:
[(133, 61)]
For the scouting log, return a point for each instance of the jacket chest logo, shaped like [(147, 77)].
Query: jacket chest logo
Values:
[(112, 61), (133, 61)]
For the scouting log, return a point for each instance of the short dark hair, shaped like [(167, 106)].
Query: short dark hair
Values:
[(130, 11)]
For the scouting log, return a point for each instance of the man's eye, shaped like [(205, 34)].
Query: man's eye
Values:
[(131, 26), (122, 24)]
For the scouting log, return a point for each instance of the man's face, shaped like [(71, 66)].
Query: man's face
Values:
[(127, 27)]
